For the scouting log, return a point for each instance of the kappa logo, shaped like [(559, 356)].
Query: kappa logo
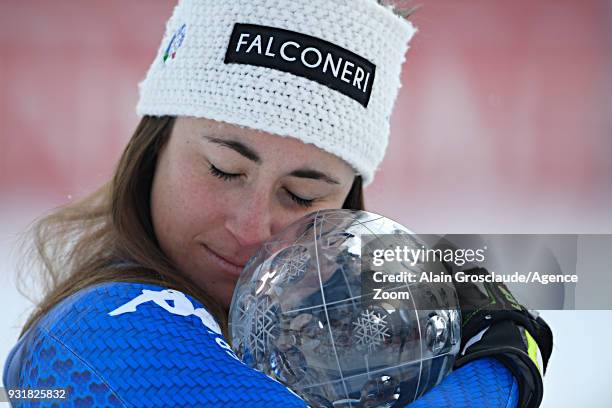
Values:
[(303, 55), (181, 306)]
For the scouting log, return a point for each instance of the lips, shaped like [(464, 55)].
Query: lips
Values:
[(229, 266)]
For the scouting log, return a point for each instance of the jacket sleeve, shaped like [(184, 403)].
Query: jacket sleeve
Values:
[(485, 382), (127, 344)]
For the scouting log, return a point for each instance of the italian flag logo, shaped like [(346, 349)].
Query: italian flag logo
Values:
[(175, 43)]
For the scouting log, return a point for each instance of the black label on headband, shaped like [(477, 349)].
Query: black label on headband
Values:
[(302, 55)]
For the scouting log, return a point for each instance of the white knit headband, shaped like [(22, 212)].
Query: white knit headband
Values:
[(326, 72)]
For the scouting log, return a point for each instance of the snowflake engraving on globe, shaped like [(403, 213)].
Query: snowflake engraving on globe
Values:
[(305, 313)]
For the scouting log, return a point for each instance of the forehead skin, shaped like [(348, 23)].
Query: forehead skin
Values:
[(274, 151)]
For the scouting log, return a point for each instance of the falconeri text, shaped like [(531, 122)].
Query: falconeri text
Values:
[(310, 57), (303, 55)]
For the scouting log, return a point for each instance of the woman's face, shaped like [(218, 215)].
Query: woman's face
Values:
[(220, 191)]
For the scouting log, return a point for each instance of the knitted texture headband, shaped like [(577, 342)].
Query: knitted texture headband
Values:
[(326, 72)]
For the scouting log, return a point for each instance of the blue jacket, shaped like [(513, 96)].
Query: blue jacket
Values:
[(113, 345)]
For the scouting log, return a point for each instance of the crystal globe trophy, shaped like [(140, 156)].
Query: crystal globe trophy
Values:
[(305, 312)]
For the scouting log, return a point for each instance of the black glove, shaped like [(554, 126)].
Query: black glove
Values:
[(495, 325)]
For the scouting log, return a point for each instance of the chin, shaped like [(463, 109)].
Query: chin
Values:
[(226, 298), (220, 289)]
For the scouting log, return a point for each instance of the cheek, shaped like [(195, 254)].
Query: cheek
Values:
[(183, 205), (285, 218)]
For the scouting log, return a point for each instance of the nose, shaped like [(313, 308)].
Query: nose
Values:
[(250, 221)]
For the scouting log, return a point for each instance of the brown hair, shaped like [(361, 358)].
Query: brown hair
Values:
[(108, 236), (398, 8)]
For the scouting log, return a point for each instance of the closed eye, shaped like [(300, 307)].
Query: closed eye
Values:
[(221, 174), (302, 202)]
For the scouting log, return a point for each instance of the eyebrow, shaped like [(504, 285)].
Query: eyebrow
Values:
[(313, 174), (239, 147), (250, 154)]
